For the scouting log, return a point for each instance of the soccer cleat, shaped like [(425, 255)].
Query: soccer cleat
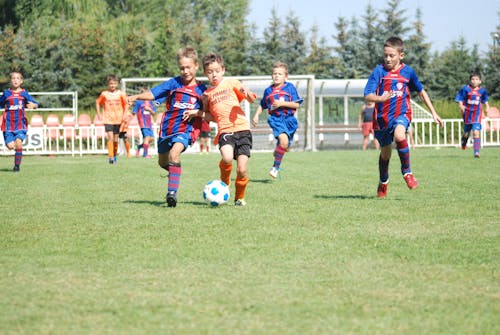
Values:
[(115, 161), (111, 161), (410, 181), (464, 143), (382, 189), (137, 152), (240, 202), (16, 168), (171, 199), (477, 155), (273, 172)]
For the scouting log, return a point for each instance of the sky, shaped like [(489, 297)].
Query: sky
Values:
[(444, 20)]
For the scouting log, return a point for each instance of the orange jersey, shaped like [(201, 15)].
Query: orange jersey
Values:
[(224, 105), (114, 104)]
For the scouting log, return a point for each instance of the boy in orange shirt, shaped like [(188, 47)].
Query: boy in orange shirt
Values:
[(114, 104), (221, 104)]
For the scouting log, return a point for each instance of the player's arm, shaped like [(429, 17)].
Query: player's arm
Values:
[(98, 108), (427, 101), (249, 95), (286, 104), (372, 97), (486, 106), (141, 96)]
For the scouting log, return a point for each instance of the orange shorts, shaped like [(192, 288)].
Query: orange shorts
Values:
[(367, 128)]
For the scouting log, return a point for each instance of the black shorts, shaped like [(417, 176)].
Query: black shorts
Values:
[(205, 134), (115, 128), (241, 141)]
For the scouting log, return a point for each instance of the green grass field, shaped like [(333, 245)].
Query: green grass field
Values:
[(89, 248)]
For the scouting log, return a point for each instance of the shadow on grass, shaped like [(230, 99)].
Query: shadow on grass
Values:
[(163, 203), (349, 196), (263, 181)]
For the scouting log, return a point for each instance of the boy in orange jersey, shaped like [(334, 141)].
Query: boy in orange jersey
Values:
[(114, 103), (221, 104)]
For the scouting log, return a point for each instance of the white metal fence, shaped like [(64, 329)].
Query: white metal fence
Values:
[(78, 140)]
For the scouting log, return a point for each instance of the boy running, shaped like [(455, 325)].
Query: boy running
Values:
[(470, 99), (389, 86), (183, 102), (281, 99), (222, 105), (15, 100), (114, 103)]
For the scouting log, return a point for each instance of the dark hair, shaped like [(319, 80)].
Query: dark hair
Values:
[(212, 58), (111, 77), (395, 42), (475, 74)]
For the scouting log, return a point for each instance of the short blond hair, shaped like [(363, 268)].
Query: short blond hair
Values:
[(188, 52), (282, 65)]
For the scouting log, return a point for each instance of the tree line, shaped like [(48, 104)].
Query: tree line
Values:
[(63, 45)]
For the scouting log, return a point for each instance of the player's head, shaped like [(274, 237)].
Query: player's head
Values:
[(187, 58), (393, 52), (112, 81), (16, 79), (280, 73), (475, 79), (213, 67)]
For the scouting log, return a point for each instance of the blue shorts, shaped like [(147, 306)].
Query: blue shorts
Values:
[(386, 136), (147, 132), (472, 126), (165, 144), (11, 136), (283, 125)]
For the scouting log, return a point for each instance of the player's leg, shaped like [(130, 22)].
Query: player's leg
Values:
[(109, 142), (465, 136), (384, 137), (404, 155), (279, 152), (241, 180), (145, 146), (116, 133), (242, 153), (174, 172), (18, 155), (476, 134), (226, 163)]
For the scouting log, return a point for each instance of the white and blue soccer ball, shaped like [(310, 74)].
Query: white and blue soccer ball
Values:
[(216, 193)]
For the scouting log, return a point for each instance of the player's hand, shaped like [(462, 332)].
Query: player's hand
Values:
[(386, 96), (189, 114), (438, 120), (131, 99), (31, 105), (255, 121)]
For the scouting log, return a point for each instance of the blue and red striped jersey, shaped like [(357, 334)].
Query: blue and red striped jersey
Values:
[(142, 110), (179, 98), (286, 92), (14, 116), (401, 82), (473, 100)]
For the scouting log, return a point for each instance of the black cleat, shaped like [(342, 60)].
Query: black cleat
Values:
[(171, 199), (16, 168)]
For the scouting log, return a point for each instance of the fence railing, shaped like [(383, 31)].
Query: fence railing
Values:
[(64, 140)]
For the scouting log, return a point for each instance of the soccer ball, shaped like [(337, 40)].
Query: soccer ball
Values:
[(216, 193)]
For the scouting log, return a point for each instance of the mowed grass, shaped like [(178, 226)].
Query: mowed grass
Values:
[(90, 248)]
